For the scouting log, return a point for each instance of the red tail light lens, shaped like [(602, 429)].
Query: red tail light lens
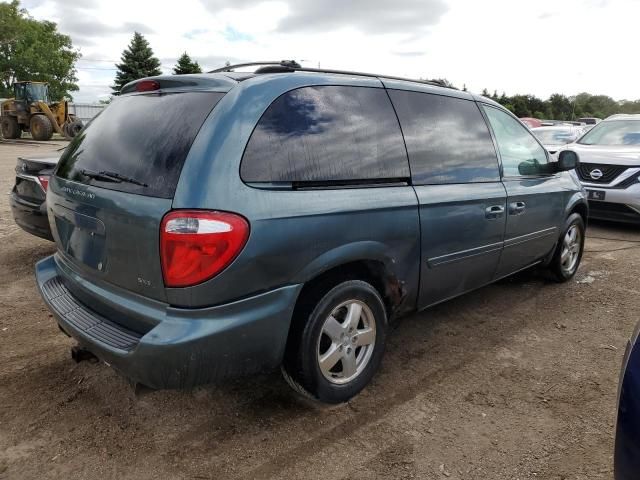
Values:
[(197, 245), (44, 182), (147, 86)]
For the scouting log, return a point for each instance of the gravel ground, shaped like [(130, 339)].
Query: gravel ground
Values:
[(514, 381)]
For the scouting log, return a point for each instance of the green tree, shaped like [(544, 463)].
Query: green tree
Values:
[(627, 106), (520, 106), (560, 106), (137, 62), (601, 106), (186, 65), (34, 50)]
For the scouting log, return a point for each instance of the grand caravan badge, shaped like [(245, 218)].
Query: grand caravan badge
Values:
[(79, 193)]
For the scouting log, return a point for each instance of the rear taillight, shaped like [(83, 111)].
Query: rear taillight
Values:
[(196, 245), (44, 182)]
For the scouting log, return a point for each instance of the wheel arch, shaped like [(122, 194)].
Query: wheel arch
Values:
[(578, 204), (367, 260)]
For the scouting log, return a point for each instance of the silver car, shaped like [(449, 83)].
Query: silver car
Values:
[(610, 168), (556, 136)]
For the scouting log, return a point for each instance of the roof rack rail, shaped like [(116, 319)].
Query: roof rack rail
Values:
[(293, 66)]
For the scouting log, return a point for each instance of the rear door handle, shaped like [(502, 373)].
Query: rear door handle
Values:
[(494, 211), (517, 208)]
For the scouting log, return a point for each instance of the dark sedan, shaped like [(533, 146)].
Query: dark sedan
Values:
[(627, 451), (29, 193)]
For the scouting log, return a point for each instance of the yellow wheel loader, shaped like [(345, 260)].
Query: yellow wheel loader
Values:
[(31, 110)]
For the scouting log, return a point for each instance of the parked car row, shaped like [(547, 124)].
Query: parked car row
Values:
[(609, 164), (585, 122), (555, 137), (609, 169)]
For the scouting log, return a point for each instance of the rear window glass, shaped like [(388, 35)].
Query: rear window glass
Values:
[(447, 139), (145, 138), (327, 134)]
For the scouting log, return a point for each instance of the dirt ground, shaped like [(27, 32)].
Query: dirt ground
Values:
[(514, 381)]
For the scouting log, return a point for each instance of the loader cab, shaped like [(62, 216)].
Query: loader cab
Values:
[(30, 92)]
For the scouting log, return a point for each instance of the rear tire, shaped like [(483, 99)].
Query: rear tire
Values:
[(334, 352), (10, 127), (74, 128), (41, 127), (568, 254)]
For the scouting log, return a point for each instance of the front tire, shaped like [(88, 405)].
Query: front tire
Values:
[(568, 254), (335, 351), (41, 128)]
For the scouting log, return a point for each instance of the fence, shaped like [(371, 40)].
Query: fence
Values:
[(85, 111)]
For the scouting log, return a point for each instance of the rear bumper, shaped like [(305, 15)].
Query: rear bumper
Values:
[(185, 347), (31, 217)]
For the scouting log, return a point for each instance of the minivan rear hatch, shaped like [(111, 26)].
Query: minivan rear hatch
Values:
[(116, 181)]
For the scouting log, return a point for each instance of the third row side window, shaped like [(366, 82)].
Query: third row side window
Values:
[(327, 134)]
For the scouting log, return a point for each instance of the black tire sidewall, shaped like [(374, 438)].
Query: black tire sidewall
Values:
[(560, 273), (311, 376), (10, 126), (75, 128)]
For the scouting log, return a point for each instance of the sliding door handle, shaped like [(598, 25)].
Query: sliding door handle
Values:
[(517, 208), (494, 211)]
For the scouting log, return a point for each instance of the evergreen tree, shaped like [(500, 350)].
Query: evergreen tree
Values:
[(137, 62), (186, 65)]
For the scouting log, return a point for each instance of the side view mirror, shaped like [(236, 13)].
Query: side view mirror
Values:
[(534, 167), (567, 160)]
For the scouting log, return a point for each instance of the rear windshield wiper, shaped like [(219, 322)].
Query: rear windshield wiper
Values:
[(112, 177)]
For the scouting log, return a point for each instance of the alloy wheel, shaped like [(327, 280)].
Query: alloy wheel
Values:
[(347, 341), (571, 246)]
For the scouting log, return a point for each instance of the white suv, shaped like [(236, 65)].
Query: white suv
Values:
[(610, 168)]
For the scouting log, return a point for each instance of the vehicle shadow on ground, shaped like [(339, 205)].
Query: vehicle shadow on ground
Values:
[(22, 260), (628, 231)]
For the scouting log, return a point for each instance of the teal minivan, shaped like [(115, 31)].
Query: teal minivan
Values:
[(226, 223)]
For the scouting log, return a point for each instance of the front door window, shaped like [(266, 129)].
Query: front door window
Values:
[(521, 153)]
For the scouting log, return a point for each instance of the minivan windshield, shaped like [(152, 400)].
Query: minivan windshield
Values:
[(139, 143), (613, 132)]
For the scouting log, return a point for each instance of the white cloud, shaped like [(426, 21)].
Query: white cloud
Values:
[(537, 47)]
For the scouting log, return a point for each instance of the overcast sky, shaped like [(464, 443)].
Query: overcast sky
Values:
[(516, 46)]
